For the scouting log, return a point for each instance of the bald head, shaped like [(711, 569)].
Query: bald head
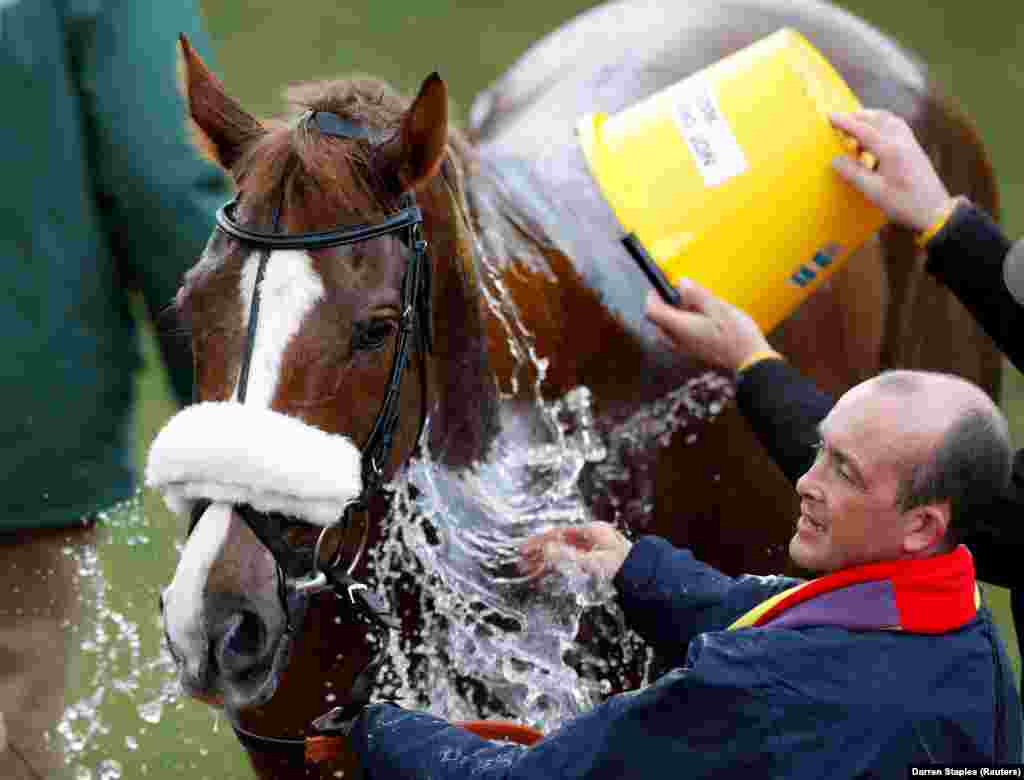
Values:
[(945, 389), (951, 436)]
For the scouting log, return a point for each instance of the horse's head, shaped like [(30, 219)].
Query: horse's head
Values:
[(332, 311)]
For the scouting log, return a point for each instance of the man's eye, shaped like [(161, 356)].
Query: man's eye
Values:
[(369, 336)]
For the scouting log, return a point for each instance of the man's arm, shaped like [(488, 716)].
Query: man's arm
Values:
[(669, 597), (690, 715), (967, 255), (784, 408)]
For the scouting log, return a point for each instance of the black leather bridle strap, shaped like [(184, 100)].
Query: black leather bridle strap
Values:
[(378, 445), (322, 239), (254, 314), (260, 742)]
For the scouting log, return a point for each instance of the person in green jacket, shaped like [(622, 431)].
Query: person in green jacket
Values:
[(105, 201)]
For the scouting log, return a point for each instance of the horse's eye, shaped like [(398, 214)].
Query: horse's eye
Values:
[(372, 334)]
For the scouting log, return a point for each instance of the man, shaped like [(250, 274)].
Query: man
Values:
[(966, 251), (885, 662)]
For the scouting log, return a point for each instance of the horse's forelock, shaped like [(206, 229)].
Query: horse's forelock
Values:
[(368, 102), (322, 173)]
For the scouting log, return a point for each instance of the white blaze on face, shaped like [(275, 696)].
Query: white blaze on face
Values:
[(183, 598), (289, 291)]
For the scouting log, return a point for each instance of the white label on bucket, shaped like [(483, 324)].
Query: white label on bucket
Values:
[(706, 130)]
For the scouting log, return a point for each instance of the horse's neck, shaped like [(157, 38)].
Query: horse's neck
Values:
[(563, 296), (527, 209)]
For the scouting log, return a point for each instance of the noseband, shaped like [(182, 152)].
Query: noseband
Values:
[(311, 569)]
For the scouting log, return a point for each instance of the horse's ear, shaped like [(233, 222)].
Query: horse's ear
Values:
[(221, 126), (418, 151)]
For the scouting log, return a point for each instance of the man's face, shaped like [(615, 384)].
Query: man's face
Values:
[(848, 513)]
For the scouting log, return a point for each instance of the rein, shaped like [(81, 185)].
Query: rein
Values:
[(306, 571)]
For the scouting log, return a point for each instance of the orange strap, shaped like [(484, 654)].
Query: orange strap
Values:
[(502, 731), (320, 749)]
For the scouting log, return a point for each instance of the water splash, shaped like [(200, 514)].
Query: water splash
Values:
[(124, 680), (693, 404), (493, 644), (459, 535)]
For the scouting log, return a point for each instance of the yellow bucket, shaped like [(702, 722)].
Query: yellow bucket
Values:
[(725, 177)]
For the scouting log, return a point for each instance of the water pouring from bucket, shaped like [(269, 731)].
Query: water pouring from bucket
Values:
[(726, 178)]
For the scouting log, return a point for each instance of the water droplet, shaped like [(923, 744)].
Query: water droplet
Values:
[(109, 770), (151, 711)]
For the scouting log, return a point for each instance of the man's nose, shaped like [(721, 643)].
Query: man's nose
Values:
[(809, 486)]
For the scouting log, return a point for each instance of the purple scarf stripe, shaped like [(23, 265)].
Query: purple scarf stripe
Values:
[(861, 607)]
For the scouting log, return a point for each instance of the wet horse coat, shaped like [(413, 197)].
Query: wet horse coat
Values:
[(532, 298)]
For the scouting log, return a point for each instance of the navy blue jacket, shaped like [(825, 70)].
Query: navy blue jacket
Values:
[(808, 702)]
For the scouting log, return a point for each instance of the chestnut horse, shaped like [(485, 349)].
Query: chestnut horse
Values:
[(522, 322)]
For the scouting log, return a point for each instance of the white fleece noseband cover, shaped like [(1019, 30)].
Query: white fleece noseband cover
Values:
[(239, 454)]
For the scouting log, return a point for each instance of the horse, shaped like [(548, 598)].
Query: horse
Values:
[(393, 310)]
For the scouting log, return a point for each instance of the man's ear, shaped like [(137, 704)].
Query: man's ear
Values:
[(925, 527), (222, 127)]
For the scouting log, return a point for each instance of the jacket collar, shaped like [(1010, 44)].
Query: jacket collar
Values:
[(924, 596)]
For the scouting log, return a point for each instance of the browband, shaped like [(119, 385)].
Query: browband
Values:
[(332, 124), (321, 239)]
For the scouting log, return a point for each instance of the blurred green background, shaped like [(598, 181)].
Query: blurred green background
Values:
[(128, 721)]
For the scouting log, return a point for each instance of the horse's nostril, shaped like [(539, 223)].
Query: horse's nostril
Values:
[(242, 645)]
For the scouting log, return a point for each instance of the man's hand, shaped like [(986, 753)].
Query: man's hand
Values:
[(597, 548), (707, 327), (904, 185)]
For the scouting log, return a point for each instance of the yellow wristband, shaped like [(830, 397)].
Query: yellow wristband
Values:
[(757, 357), (925, 236)]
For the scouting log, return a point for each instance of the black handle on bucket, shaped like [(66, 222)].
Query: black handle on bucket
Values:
[(654, 273)]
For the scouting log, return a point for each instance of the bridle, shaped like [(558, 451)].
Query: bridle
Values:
[(306, 570)]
